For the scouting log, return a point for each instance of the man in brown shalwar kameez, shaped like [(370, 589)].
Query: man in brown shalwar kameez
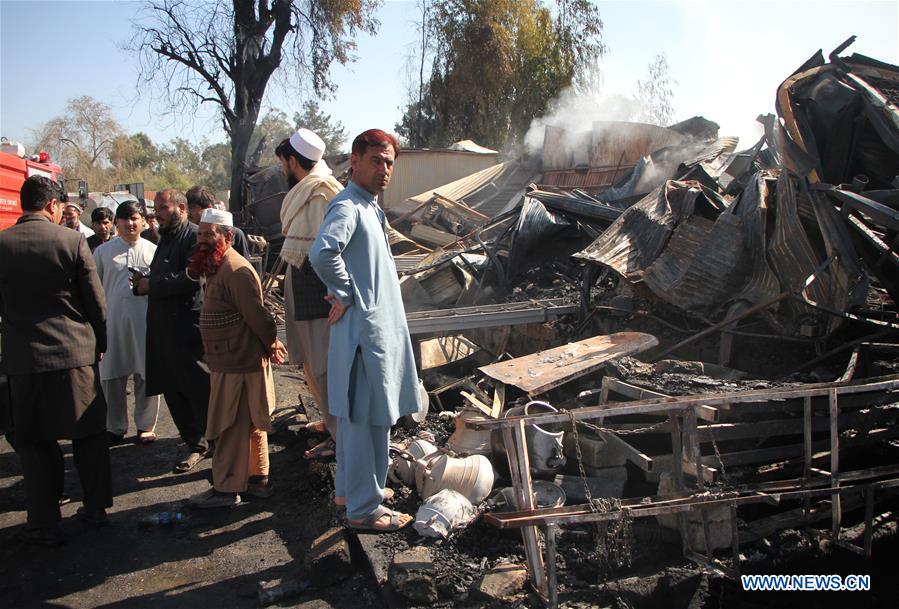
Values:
[(239, 338)]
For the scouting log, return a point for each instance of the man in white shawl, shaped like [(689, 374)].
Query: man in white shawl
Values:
[(126, 327), (306, 311)]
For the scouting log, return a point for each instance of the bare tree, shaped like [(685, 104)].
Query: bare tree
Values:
[(225, 53), (83, 136), (654, 94)]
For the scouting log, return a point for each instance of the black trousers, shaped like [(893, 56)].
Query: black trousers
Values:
[(52, 405), (188, 402), (44, 472)]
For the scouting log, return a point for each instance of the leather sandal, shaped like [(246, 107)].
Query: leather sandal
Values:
[(369, 523), (322, 450), (188, 463), (316, 427)]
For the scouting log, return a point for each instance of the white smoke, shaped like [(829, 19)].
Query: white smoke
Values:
[(576, 113)]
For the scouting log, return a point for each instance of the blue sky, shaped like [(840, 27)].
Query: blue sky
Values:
[(727, 59)]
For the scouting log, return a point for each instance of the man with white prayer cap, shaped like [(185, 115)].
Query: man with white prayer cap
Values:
[(239, 339), (306, 312)]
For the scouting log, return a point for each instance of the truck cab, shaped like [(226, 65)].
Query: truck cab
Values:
[(15, 168)]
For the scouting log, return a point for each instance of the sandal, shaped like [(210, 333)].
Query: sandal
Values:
[(369, 523), (322, 450), (188, 463), (316, 427), (146, 437)]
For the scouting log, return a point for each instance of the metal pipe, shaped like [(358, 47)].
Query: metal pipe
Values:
[(860, 183)]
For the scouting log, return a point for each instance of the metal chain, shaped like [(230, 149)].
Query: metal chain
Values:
[(720, 462), (622, 432), (580, 460)]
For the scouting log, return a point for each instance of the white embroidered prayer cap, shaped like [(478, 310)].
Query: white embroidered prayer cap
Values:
[(308, 144), (217, 216)]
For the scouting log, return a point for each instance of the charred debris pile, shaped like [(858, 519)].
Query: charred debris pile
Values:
[(653, 334)]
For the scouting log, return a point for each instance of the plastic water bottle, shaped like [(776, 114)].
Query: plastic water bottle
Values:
[(163, 519)]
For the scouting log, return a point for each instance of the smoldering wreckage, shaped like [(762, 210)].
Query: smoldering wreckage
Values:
[(654, 360)]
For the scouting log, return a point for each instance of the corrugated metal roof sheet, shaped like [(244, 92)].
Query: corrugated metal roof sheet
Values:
[(485, 191), (419, 170), (752, 207), (703, 264), (639, 235)]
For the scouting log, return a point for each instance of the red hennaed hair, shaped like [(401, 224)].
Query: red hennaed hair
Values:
[(374, 138)]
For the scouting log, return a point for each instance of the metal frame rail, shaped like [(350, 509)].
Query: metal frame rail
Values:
[(682, 412), (488, 316)]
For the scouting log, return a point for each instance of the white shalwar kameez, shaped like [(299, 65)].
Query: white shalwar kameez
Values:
[(126, 330)]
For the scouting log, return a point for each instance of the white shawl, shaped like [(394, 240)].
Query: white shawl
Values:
[(303, 211)]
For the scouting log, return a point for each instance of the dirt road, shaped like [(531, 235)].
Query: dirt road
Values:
[(215, 559)]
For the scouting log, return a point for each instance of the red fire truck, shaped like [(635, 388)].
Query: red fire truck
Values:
[(15, 167)]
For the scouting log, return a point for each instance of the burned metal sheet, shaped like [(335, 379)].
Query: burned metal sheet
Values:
[(792, 256), (640, 234), (541, 371), (752, 208), (575, 204), (703, 265), (843, 118), (851, 280)]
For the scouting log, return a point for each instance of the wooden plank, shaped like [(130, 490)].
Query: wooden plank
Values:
[(552, 585), (477, 403), (807, 445), (499, 400), (706, 413), (781, 427), (774, 453), (526, 492), (541, 371), (835, 461), (633, 455), (641, 508), (683, 402), (764, 527), (677, 474)]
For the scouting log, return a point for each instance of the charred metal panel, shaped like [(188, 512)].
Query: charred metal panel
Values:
[(752, 207), (640, 234), (791, 254), (851, 280), (703, 265)]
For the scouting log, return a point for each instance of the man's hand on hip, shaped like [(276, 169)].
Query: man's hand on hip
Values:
[(337, 309)]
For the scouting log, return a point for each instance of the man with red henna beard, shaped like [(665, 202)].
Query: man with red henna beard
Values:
[(239, 337)]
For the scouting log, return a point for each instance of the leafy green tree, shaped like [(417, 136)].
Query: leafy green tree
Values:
[(313, 118), (133, 158), (497, 65), (217, 159)]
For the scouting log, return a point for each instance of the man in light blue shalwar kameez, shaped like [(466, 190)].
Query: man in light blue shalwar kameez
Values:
[(372, 379)]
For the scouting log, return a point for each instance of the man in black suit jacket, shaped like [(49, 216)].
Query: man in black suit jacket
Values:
[(173, 327), (53, 331)]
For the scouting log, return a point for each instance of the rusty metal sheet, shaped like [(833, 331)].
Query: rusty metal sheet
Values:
[(792, 256), (640, 234), (593, 179), (752, 207), (541, 371), (623, 143), (703, 265), (851, 280)]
